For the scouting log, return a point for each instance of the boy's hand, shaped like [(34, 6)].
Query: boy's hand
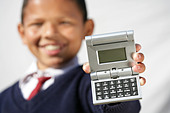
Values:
[(139, 67)]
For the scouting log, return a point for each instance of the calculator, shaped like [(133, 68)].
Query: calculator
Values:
[(110, 59)]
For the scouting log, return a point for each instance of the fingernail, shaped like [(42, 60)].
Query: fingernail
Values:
[(138, 67), (139, 56), (134, 68)]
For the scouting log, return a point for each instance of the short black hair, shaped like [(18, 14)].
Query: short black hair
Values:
[(80, 3)]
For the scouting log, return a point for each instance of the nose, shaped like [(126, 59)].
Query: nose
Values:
[(49, 30)]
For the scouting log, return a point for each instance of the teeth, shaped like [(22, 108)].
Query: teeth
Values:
[(52, 47)]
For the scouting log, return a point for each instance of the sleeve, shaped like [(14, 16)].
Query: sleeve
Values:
[(85, 95), (0, 102)]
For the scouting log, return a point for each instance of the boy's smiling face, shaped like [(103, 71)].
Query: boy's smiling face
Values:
[(53, 31)]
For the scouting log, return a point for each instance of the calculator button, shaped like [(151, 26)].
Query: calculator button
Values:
[(113, 91), (134, 88), (105, 88), (106, 92), (99, 97), (105, 83), (98, 84), (120, 86), (112, 87), (127, 94), (113, 95), (132, 80), (119, 90), (126, 81), (112, 82), (126, 85), (134, 93), (116, 89), (127, 90), (106, 96), (99, 93), (119, 82), (133, 84), (120, 95), (98, 89)]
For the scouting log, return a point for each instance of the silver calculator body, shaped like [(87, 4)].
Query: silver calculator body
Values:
[(110, 59)]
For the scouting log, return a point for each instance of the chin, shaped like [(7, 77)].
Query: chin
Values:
[(56, 63), (50, 63)]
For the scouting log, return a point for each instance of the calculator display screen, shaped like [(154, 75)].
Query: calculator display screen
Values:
[(112, 55)]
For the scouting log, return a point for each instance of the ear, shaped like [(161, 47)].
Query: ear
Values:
[(22, 32), (89, 27)]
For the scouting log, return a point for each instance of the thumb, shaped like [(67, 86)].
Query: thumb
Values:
[(86, 67)]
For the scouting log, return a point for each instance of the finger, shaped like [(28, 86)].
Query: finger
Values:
[(138, 57), (142, 81), (138, 47), (140, 68), (86, 67)]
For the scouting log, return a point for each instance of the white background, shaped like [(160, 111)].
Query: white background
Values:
[(150, 19)]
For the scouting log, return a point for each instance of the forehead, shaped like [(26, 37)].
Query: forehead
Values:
[(46, 1), (53, 7)]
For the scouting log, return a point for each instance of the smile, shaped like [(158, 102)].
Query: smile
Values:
[(52, 47), (51, 50)]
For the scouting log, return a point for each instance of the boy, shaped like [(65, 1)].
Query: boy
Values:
[(53, 31)]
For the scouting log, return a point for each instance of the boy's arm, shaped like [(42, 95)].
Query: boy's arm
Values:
[(123, 107), (0, 102)]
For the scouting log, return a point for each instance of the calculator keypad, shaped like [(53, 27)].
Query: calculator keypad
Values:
[(116, 89)]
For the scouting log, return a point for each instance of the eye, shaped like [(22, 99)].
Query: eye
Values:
[(65, 22), (37, 24)]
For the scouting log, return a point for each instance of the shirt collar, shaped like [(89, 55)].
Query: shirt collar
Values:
[(53, 72)]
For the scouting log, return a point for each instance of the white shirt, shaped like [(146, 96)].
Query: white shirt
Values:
[(28, 83)]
